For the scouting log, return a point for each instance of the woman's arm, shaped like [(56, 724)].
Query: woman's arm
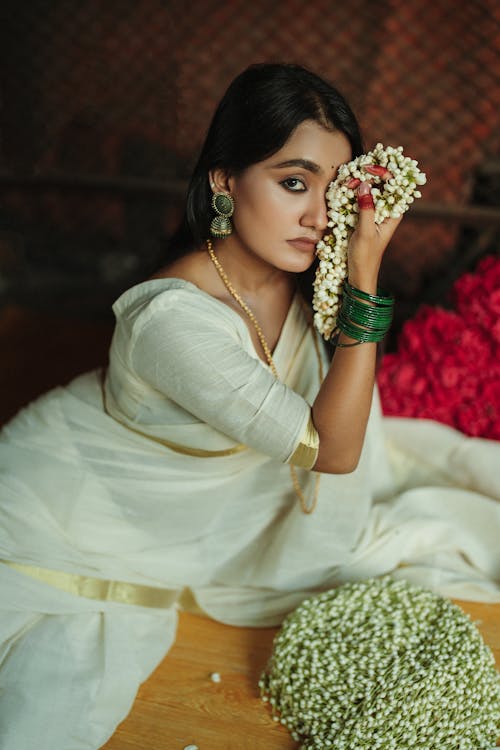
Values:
[(341, 409)]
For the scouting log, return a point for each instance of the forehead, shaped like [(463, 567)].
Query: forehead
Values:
[(312, 142)]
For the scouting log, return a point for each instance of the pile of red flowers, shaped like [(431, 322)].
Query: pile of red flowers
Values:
[(447, 366)]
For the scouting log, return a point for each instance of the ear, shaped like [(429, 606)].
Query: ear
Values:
[(219, 180)]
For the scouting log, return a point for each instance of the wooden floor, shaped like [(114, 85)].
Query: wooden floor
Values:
[(180, 705)]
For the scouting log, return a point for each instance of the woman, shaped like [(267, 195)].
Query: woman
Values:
[(191, 470)]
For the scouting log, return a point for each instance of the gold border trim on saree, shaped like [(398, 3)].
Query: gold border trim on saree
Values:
[(100, 589), (306, 453), (184, 449)]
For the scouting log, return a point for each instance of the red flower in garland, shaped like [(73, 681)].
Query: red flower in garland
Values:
[(447, 366)]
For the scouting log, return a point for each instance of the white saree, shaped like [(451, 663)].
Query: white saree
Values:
[(173, 477)]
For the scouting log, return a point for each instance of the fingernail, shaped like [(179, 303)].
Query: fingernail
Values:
[(378, 170), (364, 188)]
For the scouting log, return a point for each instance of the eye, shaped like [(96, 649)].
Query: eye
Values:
[(294, 185)]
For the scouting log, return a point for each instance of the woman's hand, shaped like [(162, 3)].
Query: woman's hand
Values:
[(369, 240)]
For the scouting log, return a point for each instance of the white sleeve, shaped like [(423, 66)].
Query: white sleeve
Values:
[(196, 358)]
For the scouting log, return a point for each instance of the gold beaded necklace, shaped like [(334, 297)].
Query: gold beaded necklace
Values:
[(305, 506)]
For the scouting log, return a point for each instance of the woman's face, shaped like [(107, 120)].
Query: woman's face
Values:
[(280, 205)]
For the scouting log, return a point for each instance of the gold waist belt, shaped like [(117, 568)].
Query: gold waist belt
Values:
[(102, 590)]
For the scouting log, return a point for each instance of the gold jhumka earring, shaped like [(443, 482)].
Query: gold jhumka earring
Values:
[(223, 205)]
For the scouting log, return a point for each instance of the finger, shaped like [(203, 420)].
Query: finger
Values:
[(366, 225), (379, 171), (365, 197)]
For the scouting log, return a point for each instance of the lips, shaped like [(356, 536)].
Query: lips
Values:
[(303, 243)]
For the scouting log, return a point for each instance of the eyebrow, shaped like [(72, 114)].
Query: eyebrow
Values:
[(311, 166)]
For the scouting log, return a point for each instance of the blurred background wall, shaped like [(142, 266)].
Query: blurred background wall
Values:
[(104, 106)]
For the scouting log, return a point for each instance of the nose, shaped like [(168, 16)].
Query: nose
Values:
[(315, 213)]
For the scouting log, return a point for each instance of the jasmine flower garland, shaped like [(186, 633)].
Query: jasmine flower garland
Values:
[(391, 197), (383, 664)]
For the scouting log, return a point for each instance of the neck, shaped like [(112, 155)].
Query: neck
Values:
[(250, 274)]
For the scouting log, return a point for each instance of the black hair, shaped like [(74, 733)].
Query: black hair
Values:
[(256, 116)]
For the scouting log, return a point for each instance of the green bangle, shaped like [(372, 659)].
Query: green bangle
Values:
[(364, 317), (361, 334), (363, 323), (352, 325), (335, 341), (382, 300), (363, 313)]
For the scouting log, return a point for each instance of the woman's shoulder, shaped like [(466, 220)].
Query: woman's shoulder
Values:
[(181, 288), (193, 268)]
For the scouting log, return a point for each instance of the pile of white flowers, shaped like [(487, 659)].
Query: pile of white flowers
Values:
[(391, 198), (383, 664)]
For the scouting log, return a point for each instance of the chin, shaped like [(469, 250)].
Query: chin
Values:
[(299, 265)]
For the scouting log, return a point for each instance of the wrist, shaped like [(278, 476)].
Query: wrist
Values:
[(365, 281), (363, 276)]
